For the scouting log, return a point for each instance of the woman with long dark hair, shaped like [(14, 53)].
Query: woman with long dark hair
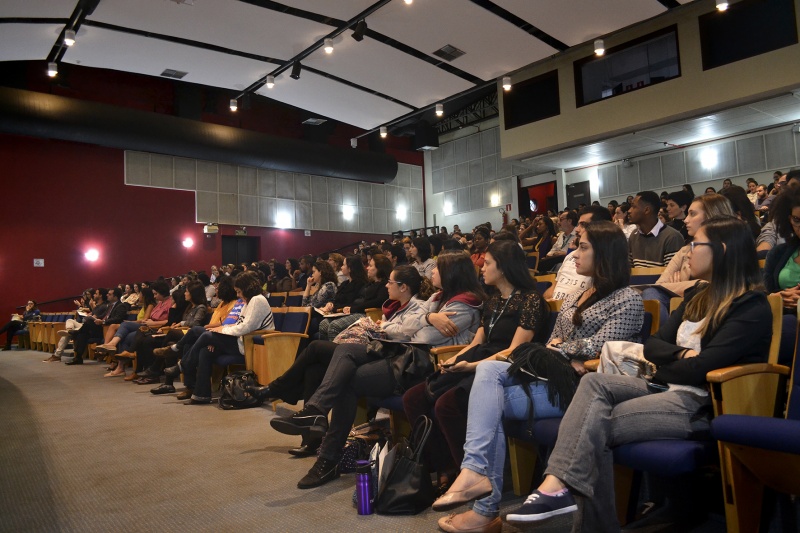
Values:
[(420, 255), (609, 310), (514, 314), (355, 279), (724, 320)]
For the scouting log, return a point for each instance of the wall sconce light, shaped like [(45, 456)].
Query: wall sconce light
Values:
[(188, 242), (92, 255)]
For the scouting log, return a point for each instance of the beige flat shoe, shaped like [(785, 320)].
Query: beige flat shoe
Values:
[(446, 524), (451, 500)]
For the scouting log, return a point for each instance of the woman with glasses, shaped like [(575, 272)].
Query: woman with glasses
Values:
[(724, 320)]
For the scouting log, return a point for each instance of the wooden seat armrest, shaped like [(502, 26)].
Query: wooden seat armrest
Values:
[(442, 353), (721, 375), (284, 334), (591, 365)]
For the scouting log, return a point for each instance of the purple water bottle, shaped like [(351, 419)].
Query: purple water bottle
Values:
[(364, 487)]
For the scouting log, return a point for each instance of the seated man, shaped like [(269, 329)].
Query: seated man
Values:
[(114, 312), (653, 244), (567, 221)]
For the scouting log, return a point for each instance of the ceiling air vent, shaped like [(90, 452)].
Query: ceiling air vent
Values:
[(315, 121), (449, 52), (174, 74)]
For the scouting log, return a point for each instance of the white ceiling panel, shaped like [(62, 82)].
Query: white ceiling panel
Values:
[(20, 42), (577, 21), (227, 23), (331, 99), (109, 49), (493, 46), (408, 79), (38, 8), (341, 9)]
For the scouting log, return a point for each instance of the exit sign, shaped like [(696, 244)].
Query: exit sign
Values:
[(508, 207), (38, 262)]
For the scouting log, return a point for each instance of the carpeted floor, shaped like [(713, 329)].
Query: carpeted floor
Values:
[(84, 453)]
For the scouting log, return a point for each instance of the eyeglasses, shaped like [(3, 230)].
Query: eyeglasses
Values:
[(794, 220), (398, 283), (693, 244)]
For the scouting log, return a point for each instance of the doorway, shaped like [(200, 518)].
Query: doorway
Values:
[(537, 199), (238, 250), (578, 193)]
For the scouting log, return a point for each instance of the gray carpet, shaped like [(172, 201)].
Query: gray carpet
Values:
[(84, 453)]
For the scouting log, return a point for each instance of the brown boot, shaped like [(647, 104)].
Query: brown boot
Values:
[(186, 394)]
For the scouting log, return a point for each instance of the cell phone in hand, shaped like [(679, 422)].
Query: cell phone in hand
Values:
[(447, 365)]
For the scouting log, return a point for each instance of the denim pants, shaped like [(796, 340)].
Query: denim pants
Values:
[(495, 396), (197, 366), (607, 411), (127, 334), (353, 373)]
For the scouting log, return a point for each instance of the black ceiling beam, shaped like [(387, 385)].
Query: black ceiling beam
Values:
[(521, 23), (359, 87), (83, 9), (32, 20), (669, 4), (384, 39)]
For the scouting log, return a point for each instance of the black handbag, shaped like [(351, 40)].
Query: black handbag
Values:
[(408, 489), (410, 363)]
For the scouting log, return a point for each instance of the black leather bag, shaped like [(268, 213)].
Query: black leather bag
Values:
[(408, 489), (234, 394), (410, 363)]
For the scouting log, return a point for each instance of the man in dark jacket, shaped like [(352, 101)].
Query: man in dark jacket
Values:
[(114, 313)]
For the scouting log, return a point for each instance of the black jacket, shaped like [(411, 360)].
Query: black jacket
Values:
[(743, 337), (373, 295), (118, 314), (347, 293), (776, 259)]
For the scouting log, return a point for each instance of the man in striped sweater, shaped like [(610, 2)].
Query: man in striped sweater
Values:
[(653, 244)]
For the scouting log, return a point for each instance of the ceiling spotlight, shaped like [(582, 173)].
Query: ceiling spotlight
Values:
[(328, 46), (234, 104), (722, 6), (599, 47), (360, 30), (506, 83), (296, 68), (353, 143), (69, 37), (408, 2), (439, 110), (270, 82), (383, 132), (52, 69)]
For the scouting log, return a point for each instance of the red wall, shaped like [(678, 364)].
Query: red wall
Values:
[(61, 198)]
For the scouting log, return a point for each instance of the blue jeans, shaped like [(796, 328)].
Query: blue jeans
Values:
[(198, 363), (127, 334), (495, 395)]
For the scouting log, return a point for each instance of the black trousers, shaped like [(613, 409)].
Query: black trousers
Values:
[(303, 378)]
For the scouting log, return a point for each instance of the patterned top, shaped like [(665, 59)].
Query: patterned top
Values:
[(324, 294), (527, 309), (617, 317)]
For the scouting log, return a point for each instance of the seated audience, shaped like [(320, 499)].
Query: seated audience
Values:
[(355, 279), (743, 208), (419, 255), (724, 320), (609, 310), (514, 314), (320, 286), (567, 221), (622, 220), (677, 204)]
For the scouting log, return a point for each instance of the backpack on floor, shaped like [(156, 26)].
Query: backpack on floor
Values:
[(234, 395)]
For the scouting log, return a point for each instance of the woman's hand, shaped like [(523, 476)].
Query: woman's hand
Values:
[(554, 343), (441, 321), (676, 276), (578, 367), (790, 297), (690, 353), (327, 308), (217, 329), (346, 310)]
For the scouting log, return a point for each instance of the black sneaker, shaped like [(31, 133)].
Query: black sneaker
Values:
[(540, 506), (324, 470), (309, 421)]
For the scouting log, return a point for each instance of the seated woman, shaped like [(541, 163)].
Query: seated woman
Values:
[(514, 314), (355, 279), (18, 322), (724, 320), (610, 310), (128, 330), (420, 255), (283, 282), (224, 340), (372, 296), (130, 295), (226, 313), (542, 240), (193, 314), (782, 267), (622, 220), (405, 318), (353, 372), (676, 278)]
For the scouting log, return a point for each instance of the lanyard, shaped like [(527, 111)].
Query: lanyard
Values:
[(496, 317)]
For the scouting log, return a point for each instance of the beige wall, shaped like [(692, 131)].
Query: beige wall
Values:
[(695, 93)]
